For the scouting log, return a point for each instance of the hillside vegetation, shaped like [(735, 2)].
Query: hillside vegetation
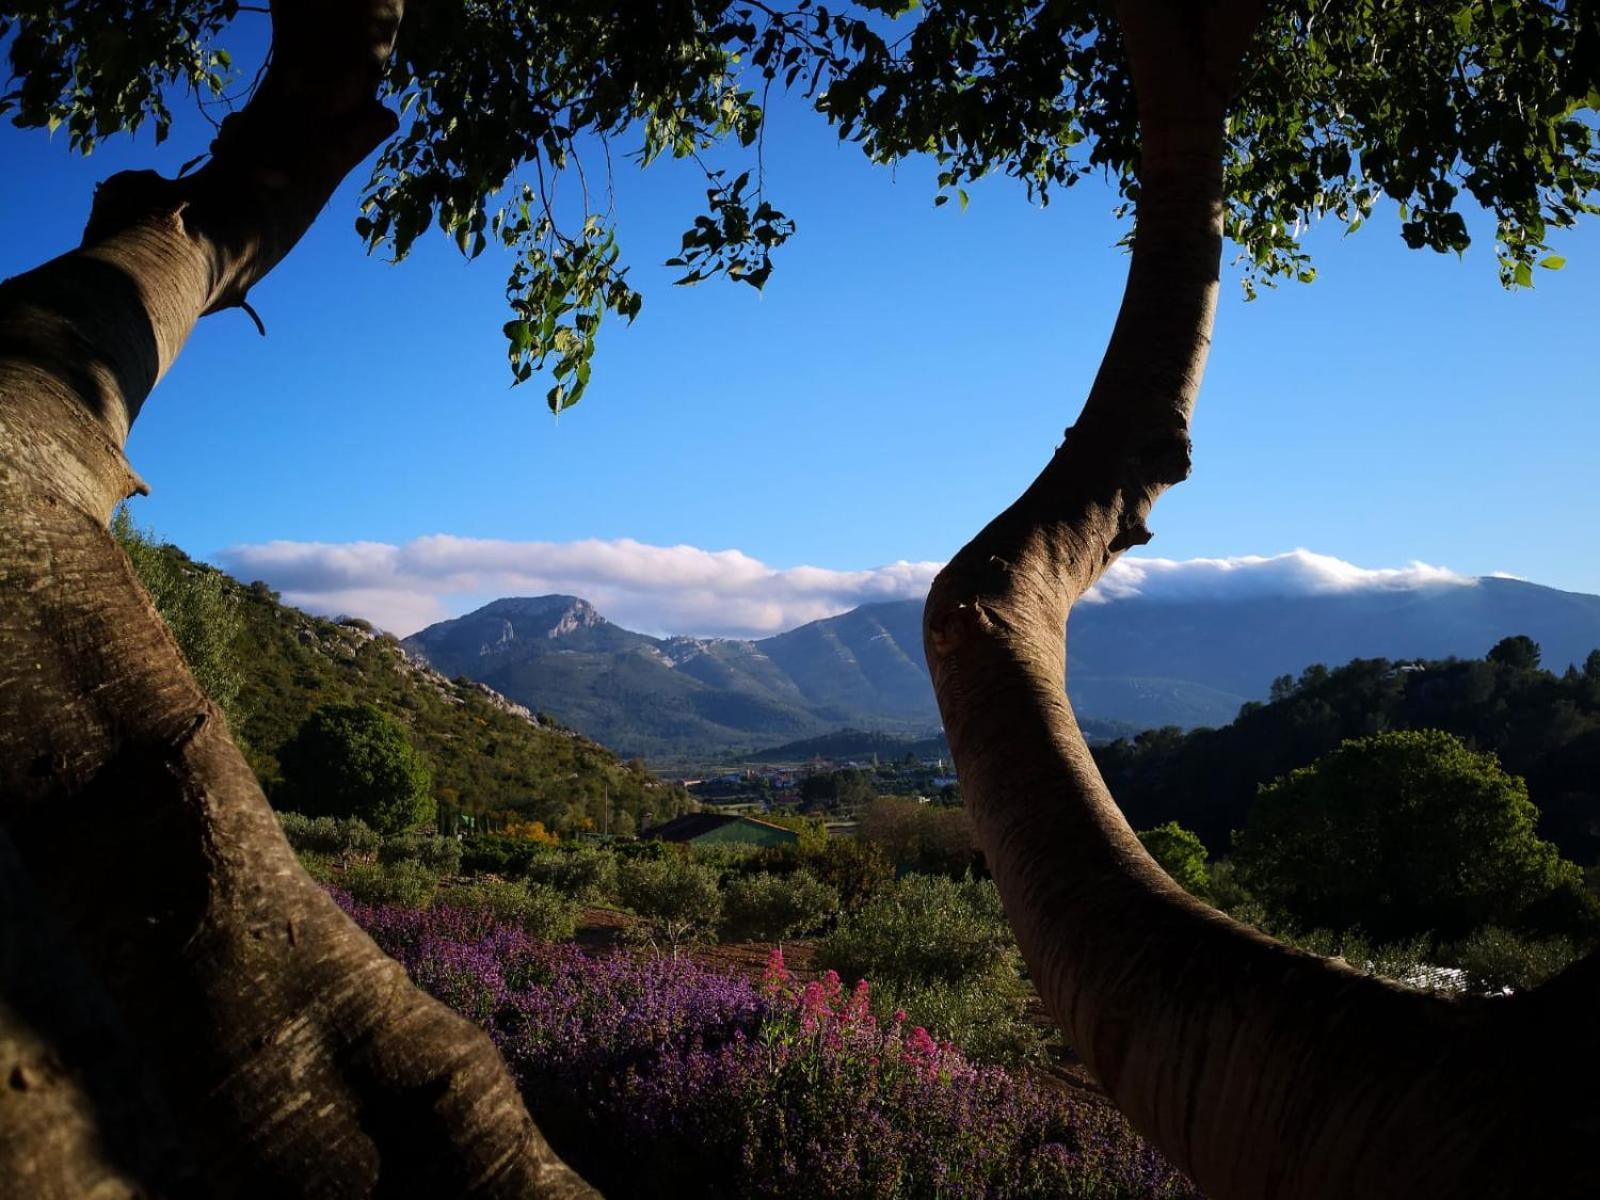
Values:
[(1542, 726), (490, 758)]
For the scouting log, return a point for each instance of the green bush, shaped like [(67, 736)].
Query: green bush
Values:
[(678, 901), (1399, 834), (587, 875), (928, 839), (941, 950), (725, 858), (543, 912), (490, 854), (354, 760), (1407, 961), (442, 855), (1496, 958), (342, 839), (319, 866), (856, 870), (408, 884), (1224, 890), (768, 907), (987, 1016), (1181, 854), (198, 606), (925, 928)]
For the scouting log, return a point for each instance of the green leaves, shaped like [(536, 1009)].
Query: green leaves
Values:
[(105, 68), (559, 290), (733, 240), (1426, 104), (510, 112)]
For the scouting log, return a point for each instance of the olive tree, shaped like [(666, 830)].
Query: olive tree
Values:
[(1260, 1070)]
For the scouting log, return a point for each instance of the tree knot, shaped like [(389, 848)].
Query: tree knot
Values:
[(125, 198)]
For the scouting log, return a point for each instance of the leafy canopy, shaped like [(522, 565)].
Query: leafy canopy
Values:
[(1400, 834), (509, 113), (1181, 855), (356, 761)]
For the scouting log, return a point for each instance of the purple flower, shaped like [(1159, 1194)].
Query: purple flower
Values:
[(655, 1076)]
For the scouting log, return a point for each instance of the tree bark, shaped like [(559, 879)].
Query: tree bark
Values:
[(1260, 1070), (183, 1011)]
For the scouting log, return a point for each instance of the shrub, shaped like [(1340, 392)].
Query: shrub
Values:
[(199, 606), (986, 1015), (586, 875), (318, 866), (541, 912), (342, 839), (1496, 958), (930, 839), (856, 870), (442, 855), (725, 858), (925, 928), (494, 855), (407, 883), (1411, 961), (1224, 890), (941, 950), (777, 907), (678, 900), (356, 761), (1181, 854)]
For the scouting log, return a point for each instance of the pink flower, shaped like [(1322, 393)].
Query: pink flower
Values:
[(856, 1009), (831, 987), (921, 1044), (813, 999), (776, 980)]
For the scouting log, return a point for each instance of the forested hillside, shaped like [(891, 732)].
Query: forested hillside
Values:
[(487, 755), (1543, 726)]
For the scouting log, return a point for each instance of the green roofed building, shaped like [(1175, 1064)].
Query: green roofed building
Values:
[(711, 829)]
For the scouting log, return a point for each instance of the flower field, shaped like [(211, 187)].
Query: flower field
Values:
[(656, 1077)]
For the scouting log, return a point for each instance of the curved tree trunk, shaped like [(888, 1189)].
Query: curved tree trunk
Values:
[(183, 1012), (1262, 1071)]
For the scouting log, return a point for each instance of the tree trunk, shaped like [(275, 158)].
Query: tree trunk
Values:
[(183, 1011), (1260, 1070)]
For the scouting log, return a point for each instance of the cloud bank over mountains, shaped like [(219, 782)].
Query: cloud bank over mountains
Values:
[(1297, 573), (684, 589), (653, 589)]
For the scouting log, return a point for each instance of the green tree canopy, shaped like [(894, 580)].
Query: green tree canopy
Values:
[(1341, 107), (1399, 834), (1518, 651), (356, 761), (1181, 854)]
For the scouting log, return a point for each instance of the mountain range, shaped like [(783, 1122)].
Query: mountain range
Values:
[(1133, 663)]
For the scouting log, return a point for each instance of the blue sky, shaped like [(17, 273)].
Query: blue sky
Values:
[(906, 372)]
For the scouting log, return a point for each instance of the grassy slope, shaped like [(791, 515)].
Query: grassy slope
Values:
[(486, 753)]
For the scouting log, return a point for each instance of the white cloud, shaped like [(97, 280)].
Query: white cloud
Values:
[(1297, 573), (684, 589), (656, 589)]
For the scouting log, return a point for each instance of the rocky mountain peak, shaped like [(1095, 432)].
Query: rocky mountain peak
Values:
[(540, 616)]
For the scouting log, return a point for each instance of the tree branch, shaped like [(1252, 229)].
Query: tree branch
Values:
[(1263, 1071)]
